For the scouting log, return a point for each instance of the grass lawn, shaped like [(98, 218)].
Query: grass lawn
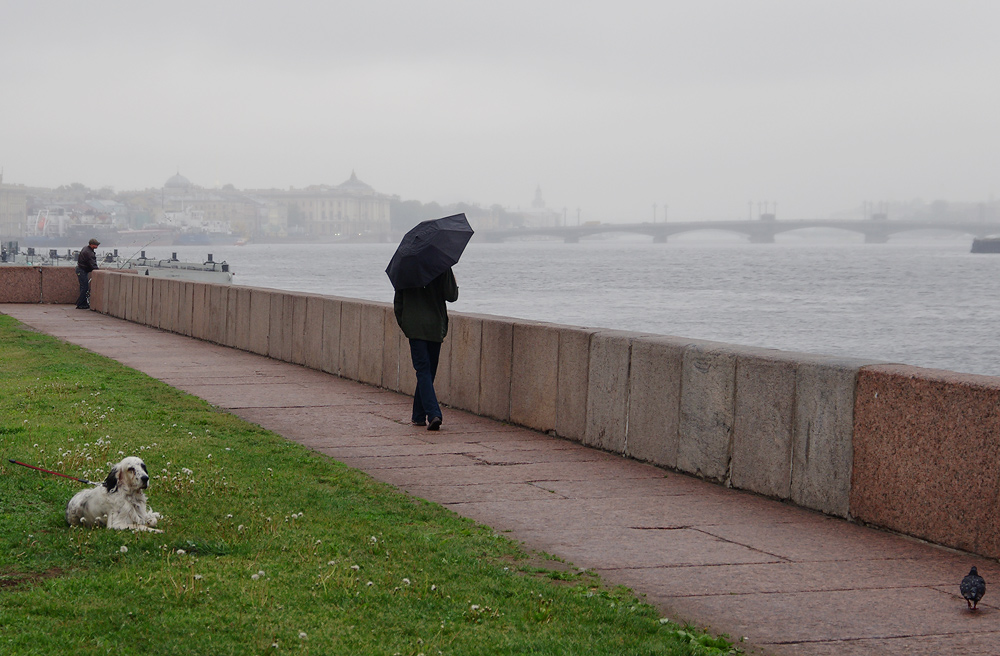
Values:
[(268, 547)]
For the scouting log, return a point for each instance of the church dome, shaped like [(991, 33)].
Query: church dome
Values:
[(353, 184), (178, 182)]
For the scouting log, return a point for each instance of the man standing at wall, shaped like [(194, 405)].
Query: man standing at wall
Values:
[(86, 263)]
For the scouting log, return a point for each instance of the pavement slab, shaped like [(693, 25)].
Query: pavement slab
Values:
[(789, 580)]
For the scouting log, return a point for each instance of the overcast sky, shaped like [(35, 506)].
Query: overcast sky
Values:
[(610, 106)]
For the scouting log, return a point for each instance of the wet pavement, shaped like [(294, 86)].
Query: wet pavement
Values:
[(789, 580)]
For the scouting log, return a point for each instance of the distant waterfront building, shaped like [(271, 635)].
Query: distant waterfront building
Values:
[(539, 216), (219, 210), (352, 210), (13, 210)]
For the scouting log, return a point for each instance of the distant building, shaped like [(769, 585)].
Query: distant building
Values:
[(219, 210), (539, 216), (13, 210), (352, 210)]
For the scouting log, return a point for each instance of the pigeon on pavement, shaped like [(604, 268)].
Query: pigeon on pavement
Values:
[(973, 588)]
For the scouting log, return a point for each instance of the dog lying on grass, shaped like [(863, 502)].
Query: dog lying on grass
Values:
[(119, 502)]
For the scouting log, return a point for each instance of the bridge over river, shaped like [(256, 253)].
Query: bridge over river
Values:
[(875, 231)]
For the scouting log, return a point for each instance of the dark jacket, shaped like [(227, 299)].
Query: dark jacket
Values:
[(88, 259), (421, 311)]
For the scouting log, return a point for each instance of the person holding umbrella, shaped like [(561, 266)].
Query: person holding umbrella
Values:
[(420, 272)]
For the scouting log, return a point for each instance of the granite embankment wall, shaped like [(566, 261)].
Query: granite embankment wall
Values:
[(909, 449), (38, 284)]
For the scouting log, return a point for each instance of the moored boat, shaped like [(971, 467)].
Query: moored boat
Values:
[(986, 245)]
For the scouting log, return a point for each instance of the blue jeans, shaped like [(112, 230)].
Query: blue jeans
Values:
[(425, 362)]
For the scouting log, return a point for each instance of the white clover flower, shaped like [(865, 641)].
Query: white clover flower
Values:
[(123, 549), (331, 562), (240, 527), (433, 588), (369, 584), (209, 456), (374, 540), (261, 572), (181, 552), (356, 567), (475, 607), (198, 577), (302, 635), (255, 576), (406, 581)]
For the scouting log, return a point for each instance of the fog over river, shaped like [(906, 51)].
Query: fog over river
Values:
[(926, 302)]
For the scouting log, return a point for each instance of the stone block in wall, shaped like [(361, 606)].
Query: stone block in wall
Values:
[(200, 318), (299, 306), (240, 329), (171, 315), (260, 321), (654, 404), (98, 291), (708, 386), (332, 314), (111, 299), (607, 390), (60, 285), (21, 285), (495, 367), (156, 305), (140, 292), (312, 338), (350, 338), (822, 450), (124, 297), (279, 329), (443, 387), (466, 333), (218, 311), (131, 301), (763, 421), (390, 351), (371, 341), (926, 455), (534, 378), (571, 390), (185, 317)]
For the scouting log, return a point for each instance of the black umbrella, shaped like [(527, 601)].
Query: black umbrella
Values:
[(429, 249)]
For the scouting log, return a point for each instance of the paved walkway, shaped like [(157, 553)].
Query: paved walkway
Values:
[(792, 581)]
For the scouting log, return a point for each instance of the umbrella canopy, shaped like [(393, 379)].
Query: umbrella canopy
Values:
[(428, 250)]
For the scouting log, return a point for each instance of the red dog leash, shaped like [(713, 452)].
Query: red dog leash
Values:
[(82, 480)]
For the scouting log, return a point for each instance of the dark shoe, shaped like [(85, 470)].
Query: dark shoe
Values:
[(82, 307), (421, 422), (434, 424)]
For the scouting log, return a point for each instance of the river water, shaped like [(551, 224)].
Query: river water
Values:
[(923, 301)]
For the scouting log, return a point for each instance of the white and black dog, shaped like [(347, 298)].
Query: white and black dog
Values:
[(119, 502)]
